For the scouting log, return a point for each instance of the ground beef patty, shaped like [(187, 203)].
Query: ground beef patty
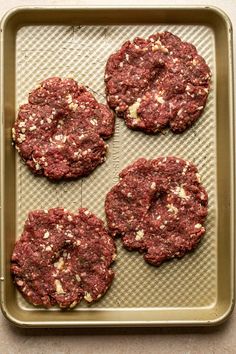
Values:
[(158, 207), (62, 258), (157, 82), (59, 132)]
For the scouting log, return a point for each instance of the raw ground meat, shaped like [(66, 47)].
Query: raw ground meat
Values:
[(158, 208), (60, 132), (62, 258), (157, 83)]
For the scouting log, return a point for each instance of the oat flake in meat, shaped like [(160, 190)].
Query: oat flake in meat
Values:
[(157, 83), (62, 258), (158, 208), (59, 133)]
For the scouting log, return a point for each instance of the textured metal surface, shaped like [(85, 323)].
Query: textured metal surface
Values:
[(81, 52)]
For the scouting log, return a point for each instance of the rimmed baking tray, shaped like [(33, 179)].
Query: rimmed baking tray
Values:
[(39, 42)]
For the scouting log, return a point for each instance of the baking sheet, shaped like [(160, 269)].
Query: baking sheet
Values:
[(81, 52), (37, 42)]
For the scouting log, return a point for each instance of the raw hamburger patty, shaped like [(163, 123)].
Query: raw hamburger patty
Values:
[(158, 207), (62, 258), (59, 132), (157, 82)]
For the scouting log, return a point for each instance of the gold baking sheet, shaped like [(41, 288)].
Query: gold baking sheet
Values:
[(80, 51)]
